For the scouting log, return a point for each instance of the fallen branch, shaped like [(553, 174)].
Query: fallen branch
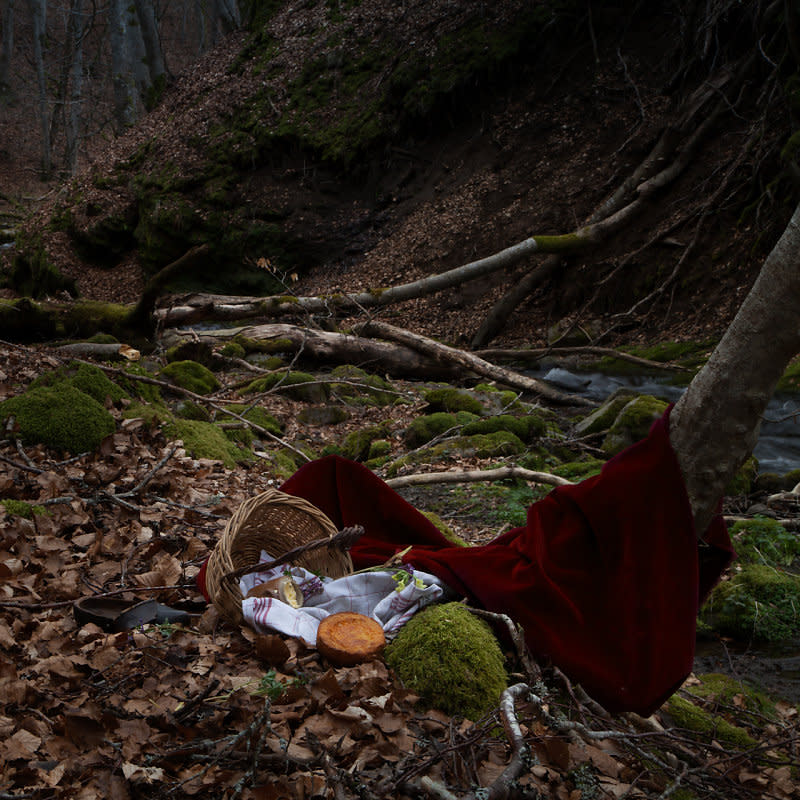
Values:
[(470, 476), (536, 354), (450, 355), (520, 750)]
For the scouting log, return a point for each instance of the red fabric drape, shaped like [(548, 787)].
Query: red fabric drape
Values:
[(606, 577)]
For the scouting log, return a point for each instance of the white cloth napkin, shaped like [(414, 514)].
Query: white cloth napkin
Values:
[(390, 596)]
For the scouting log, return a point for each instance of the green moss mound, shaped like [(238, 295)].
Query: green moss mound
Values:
[(60, 416), (358, 444), (86, 378), (192, 376), (452, 400), (297, 385), (429, 426), (371, 390), (528, 428), (723, 691), (205, 440), (451, 659), (633, 422), (706, 725), (759, 603)]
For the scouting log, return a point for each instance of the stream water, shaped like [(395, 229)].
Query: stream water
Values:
[(778, 447)]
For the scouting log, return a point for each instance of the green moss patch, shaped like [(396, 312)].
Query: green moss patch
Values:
[(60, 416), (192, 376), (429, 426), (451, 659), (725, 693), (205, 440), (528, 428), (358, 444), (297, 385), (86, 378), (706, 725), (19, 508), (633, 422), (362, 388), (759, 603), (452, 400), (762, 540)]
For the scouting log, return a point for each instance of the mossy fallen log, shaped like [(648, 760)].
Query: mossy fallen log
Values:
[(25, 320)]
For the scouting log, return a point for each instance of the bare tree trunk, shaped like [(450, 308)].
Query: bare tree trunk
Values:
[(73, 115), (39, 20), (121, 72), (7, 44), (137, 51), (152, 44), (715, 424), (226, 18)]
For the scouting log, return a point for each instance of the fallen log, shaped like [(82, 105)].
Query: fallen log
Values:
[(471, 476), (452, 356), (336, 348)]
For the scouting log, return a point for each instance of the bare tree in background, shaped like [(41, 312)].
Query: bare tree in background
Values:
[(39, 19), (154, 56), (7, 43), (121, 67)]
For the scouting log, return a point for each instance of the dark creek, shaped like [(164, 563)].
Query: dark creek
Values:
[(778, 447)]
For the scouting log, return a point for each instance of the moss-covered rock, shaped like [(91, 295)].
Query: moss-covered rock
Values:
[(363, 388), (233, 350), (319, 416), (707, 725), (201, 352), (451, 659), (205, 440), (758, 603), (192, 376), (715, 688), (452, 400), (602, 418), (86, 378), (427, 427), (357, 445), (59, 416), (527, 428), (297, 385), (257, 415), (633, 422)]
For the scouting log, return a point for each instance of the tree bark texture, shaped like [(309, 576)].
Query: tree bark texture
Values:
[(121, 77), (715, 424), (7, 42), (39, 20)]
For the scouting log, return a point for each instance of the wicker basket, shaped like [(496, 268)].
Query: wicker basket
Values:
[(275, 522)]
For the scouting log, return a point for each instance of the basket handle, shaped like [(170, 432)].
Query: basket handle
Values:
[(344, 539)]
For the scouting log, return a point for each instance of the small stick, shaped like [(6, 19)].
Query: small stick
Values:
[(344, 539)]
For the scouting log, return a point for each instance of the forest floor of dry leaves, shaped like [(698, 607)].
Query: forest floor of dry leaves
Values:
[(207, 709)]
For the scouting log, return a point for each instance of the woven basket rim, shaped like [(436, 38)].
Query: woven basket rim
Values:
[(248, 531)]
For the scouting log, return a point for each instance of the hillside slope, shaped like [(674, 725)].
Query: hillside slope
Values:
[(359, 145)]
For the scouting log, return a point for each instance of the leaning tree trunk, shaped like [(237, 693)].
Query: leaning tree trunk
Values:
[(715, 424)]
